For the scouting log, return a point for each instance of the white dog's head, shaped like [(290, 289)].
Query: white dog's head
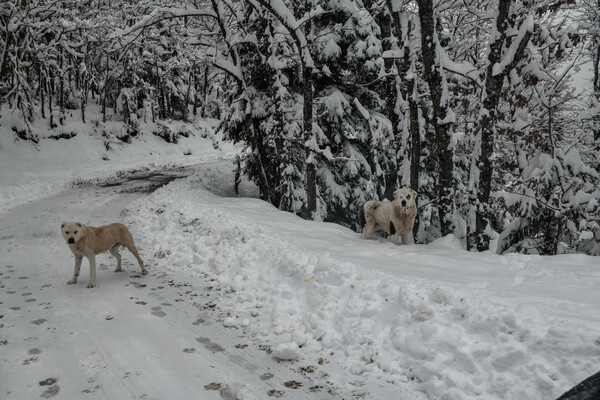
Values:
[(405, 198), (71, 231)]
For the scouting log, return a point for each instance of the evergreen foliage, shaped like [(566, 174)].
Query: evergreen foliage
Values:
[(340, 102)]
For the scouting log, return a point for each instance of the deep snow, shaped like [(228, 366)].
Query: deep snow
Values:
[(435, 319)]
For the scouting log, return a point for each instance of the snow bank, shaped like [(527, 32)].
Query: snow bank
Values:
[(314, 305)]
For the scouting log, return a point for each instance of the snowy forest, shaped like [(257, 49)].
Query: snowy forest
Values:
[(472, 103)]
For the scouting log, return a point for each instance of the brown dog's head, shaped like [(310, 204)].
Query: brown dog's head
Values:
[(71, 231), (405, 198)]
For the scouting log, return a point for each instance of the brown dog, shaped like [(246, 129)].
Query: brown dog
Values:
[(88, 241)]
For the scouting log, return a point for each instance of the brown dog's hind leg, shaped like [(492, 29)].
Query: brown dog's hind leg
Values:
[(115, 252), (131, 247)]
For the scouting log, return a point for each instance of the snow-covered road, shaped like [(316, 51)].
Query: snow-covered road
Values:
[(132, 337)]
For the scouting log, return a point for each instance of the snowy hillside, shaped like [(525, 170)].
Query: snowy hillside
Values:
[(33, 170), (434, 319)]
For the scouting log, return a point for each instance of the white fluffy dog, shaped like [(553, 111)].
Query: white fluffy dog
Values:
[(395, 218)]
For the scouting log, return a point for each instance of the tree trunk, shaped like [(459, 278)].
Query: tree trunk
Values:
[(391, 102), (105, 90), (187, 94), (61, 92), (311, 173), (42, 99), (415, 148), (410, 94), (50, 93), (596, 68), (84, 92), (204, 92), (487, 120), (441, 124), (263, 185), (5, 50), (307, 112)]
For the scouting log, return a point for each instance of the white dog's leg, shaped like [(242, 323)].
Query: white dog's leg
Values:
[(78, 260), (404, 238), (92, 271), (394, 238), (369, 229), (114, 251)]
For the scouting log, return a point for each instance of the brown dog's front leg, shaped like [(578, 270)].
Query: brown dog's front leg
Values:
[(78, 260), (92, 271)]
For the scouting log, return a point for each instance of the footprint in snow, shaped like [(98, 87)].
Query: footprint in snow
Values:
[(52, 389), (293, 384), (157, 311), (39, 321), (266, 376), (48, 382), (213, 386), (50, 392), (214, 347), (30, 360)]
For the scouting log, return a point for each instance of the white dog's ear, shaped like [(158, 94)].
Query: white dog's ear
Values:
[(63, 225), (78, 224), (396, 193), (415, 194)]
